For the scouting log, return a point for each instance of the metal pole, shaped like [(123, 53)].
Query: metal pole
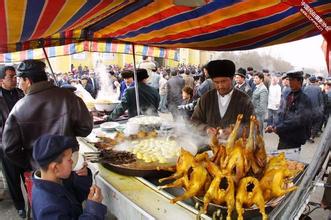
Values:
[(135, 79), (49, 64)]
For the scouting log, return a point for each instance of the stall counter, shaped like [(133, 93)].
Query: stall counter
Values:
[(129, 198)]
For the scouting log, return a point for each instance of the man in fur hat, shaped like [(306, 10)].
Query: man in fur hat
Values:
[(220, 106)]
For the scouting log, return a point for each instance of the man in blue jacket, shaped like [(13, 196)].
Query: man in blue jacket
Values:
[(293, 121), (58, 192)]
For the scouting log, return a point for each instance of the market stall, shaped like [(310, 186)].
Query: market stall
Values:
[(129, 195), (208, 25)]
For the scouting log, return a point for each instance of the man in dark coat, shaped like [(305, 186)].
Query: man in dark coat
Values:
[(220, 106), (241, 83), (149, 99), (9, 95), (46, 109), (314, 93), (293, 121), (174, 93)]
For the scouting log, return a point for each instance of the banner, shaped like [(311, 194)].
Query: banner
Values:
[(90, 46)]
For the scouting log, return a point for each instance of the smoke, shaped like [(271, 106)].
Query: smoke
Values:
[(188, 135), (106, 91)]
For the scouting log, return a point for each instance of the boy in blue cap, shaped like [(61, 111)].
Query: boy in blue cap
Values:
[(58, 192)]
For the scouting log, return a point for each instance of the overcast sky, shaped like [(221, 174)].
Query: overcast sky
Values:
[(302, 53)]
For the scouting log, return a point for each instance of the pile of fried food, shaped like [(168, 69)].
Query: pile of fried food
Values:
[(239, 174), (109, 143), (145, 146)]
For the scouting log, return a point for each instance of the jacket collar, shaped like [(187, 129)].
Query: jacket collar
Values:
[(49, 186), (39, 86)]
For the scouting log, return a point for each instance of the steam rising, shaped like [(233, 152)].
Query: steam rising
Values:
[(106, 91)]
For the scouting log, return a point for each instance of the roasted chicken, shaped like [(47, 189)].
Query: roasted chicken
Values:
[(235, 162), (274, 183), (193, 182), (276, 162), (221, 189), (184, 162), (233, 135), (260, 153), (249, 192)]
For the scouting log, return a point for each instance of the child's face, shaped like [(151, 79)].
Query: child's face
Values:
[(65, 167), (185, 95)]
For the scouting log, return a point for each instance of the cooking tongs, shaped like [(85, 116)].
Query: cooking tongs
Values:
[(93, 157)]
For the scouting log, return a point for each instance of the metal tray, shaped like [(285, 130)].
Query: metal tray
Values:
[(128, 171), (251, 212)]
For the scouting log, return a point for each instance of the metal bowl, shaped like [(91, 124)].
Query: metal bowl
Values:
[(105, 107)]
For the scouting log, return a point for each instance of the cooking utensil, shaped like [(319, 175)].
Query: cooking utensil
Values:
[(106, 107), (95, 176), (109, 126)]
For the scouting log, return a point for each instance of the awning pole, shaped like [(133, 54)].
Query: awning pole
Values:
[(49, 64), (135, 79)]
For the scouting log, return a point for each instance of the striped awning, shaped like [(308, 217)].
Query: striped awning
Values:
[(89, 46), (214, 25)]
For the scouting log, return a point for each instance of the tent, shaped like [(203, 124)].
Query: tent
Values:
[(198, 24), (223, 25)]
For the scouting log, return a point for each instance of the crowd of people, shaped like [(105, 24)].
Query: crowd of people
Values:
[(293, 105)]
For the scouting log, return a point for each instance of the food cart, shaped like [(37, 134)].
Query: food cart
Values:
[(207, 25), (127, 196)]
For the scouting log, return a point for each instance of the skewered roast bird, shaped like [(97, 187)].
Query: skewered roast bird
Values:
[(236, 162), (233, 135), (249, 151), (217, 148), (260, 153), (221, 189), (249, 192), (184, 162), (193, 182), (274, 182)]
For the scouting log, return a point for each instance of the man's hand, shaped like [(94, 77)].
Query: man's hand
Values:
[(83, 171), (95, 194), (269, 129), (211, 131)]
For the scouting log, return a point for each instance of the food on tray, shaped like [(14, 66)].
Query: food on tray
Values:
[(221, 189), (117, 157), (184, 162), (155, 150), (240, 167), (248, 193), (193, 181)]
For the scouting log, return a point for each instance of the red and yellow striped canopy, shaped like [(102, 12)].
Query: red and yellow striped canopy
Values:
[(215, 25)]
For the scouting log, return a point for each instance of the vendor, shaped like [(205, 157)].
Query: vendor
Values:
[(294, 118), (220, 106), (149, 99)]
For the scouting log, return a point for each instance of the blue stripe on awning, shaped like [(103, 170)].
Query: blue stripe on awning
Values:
[(51, 52), (30, 54), (161, 52), (207, 9), (145, 50), (32, 14), (235, 29), (72, 48), (263, 42), (80, 13), (118, 15), (108, 47), (7, 57)]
